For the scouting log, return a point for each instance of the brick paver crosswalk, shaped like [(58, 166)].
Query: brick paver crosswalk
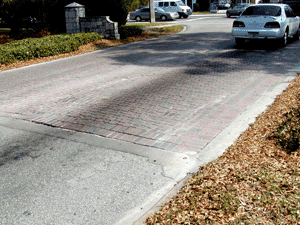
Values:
[(148, 93)]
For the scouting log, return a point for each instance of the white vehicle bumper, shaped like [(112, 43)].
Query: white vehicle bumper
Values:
[(257, 34), (174, 16)]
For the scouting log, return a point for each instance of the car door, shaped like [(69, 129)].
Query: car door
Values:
[(290, 20), (295, 20), (166, 6), (238, 10), (145, 13), (174, 7), (157, 14), (235, 10)]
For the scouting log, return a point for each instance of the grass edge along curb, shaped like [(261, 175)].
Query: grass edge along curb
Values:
[(31, 48)]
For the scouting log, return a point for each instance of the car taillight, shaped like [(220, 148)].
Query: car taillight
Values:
[(272, 25), (238, 24)]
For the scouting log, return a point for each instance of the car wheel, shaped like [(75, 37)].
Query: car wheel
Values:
[(239, 41), (185, 17), (138, 19), (284, 39), (163, 18), (228, 14)]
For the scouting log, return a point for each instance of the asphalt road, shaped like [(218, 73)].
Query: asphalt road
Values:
[(100, 138)]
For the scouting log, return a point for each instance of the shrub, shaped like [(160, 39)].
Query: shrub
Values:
[(129, 31), (196, 7), (200, 7), (46, 46)]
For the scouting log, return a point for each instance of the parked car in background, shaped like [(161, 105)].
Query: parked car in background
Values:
[(160, 14), (266, 21), (224, 4), (236, 10), (174, 6)]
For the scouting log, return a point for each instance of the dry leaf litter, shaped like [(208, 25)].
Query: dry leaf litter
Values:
[(254, 182)]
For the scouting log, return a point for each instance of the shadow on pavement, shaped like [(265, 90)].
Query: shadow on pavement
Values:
[(215, 51)]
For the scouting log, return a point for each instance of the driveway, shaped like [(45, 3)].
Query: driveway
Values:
[(151, 105)]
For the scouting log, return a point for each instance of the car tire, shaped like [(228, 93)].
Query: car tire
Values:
[(185, 17), (228, 14), (163, 18), (239, 41), (138, 19), (284, 39)]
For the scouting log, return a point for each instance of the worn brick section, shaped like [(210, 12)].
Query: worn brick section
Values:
[(130, 94)]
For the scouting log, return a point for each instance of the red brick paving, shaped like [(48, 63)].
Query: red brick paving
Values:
[(176, 109), (145, 123)]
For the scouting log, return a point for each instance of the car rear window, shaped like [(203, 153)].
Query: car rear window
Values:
[(262, 11)]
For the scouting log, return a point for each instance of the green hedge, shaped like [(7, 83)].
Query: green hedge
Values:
[(129, 31), (46, 46)]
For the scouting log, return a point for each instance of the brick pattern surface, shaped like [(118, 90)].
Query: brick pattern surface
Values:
[(145, 95)]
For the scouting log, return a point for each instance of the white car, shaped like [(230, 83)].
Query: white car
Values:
[(266, 21)]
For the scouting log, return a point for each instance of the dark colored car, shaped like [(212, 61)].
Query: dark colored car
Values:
[(236, 10)]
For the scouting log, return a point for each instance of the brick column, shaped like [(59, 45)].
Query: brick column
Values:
[(73, 12)]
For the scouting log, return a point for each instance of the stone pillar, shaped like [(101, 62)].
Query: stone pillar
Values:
[(73, 12), (112, 28)]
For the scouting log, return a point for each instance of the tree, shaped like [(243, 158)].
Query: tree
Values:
[(119, 9), (50, 14), (202, 5)]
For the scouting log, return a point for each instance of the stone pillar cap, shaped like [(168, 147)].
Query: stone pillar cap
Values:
[(74, 5)]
